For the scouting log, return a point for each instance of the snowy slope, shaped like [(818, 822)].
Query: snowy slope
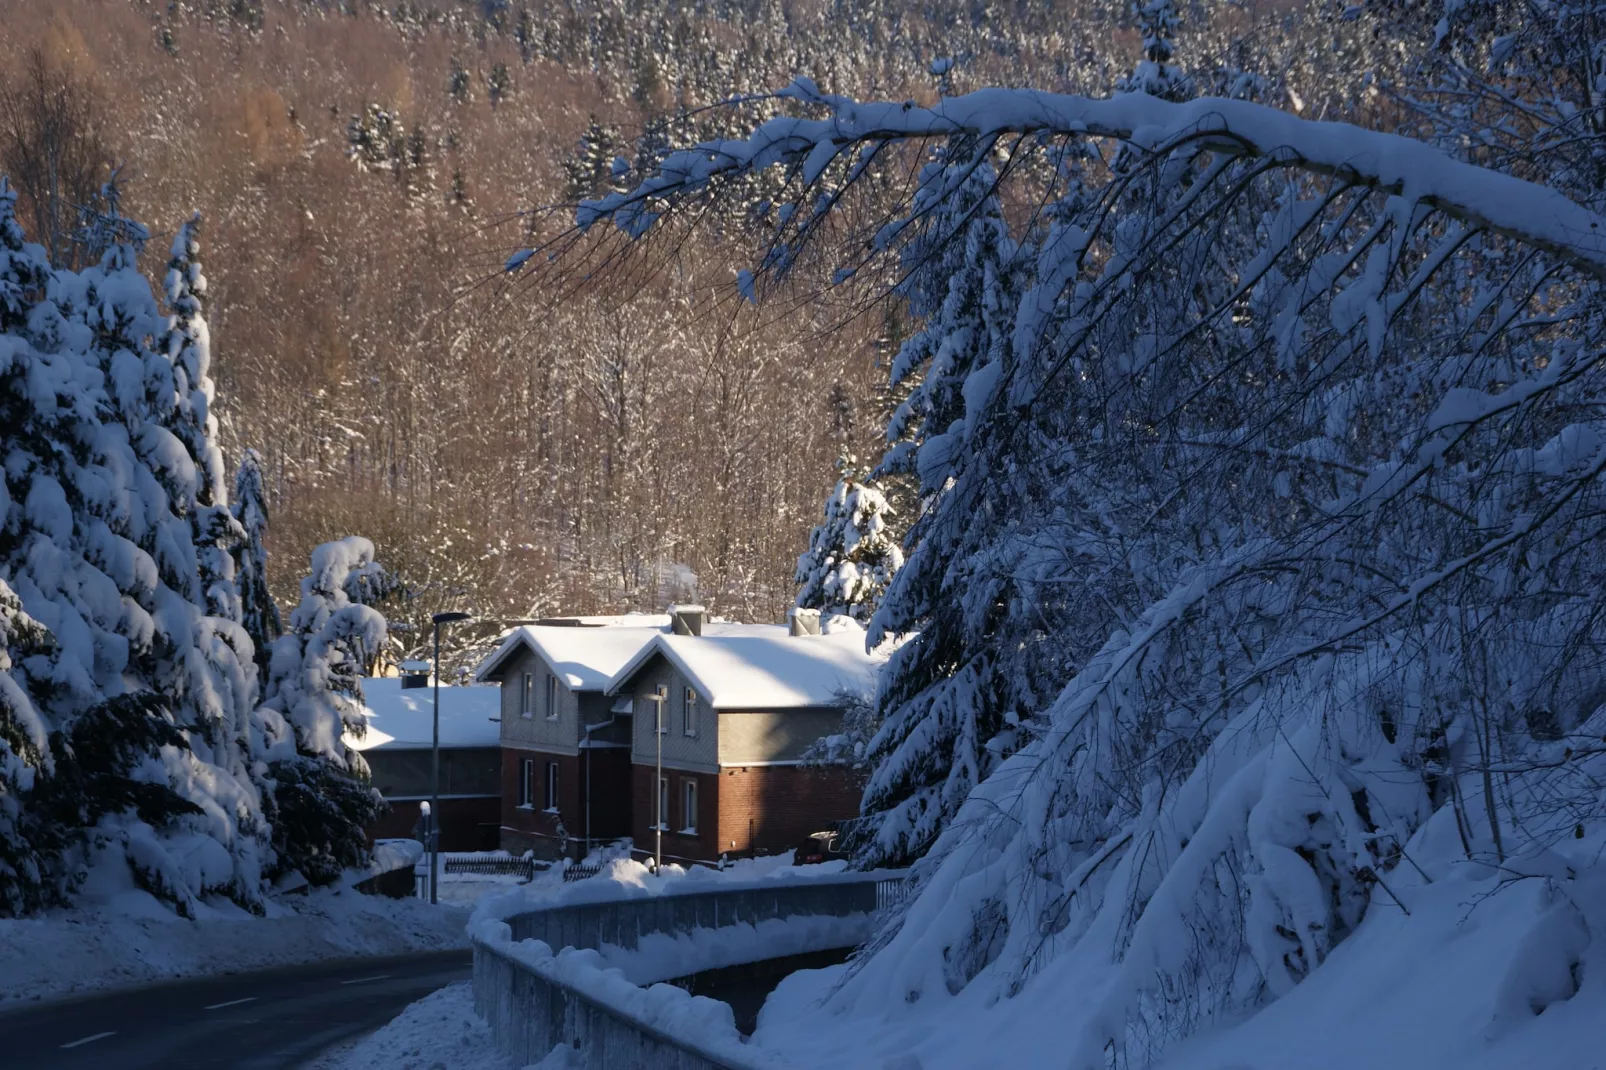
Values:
[(1454, 985), (128, 938)]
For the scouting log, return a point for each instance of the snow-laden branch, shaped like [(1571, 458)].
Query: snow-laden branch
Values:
[(1390, 163)]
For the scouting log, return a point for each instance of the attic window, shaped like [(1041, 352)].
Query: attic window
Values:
[(551, 697), (689, 712), (527, 697)]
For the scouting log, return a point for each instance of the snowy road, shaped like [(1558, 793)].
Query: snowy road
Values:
[(271, 1020)]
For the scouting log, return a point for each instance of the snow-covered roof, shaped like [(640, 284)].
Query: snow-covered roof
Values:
[(585, 658), (400, 719), (762, 667)]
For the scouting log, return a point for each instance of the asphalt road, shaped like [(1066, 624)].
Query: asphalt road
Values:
[(272, 1020)]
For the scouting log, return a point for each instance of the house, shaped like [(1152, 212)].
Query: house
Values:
[(565, 776), (739, 706), (397, 746)]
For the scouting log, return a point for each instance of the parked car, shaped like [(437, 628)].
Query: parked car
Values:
[(816, 847)]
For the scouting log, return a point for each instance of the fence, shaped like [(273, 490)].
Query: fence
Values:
[(531, 1012), (496, 867)]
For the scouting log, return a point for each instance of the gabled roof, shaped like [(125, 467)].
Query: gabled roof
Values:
[(584, 658), (399, 719), (762, 667)]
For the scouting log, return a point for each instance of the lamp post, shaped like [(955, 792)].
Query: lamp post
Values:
[(658, 698), (435, 758)]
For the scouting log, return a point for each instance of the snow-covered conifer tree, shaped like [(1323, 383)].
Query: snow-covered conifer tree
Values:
[(189, 348), (853, 554), (259, 614), (946, 702), (1155, 74), (142, 692), (1277, 530), (321, 798)]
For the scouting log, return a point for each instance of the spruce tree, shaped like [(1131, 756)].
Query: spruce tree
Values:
[(948, 704), (853, 554), (259, 614), (321, 798), (143, 692), (189, 348)]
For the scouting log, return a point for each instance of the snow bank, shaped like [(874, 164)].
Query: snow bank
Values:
[(128, 938), (439, 1030), (664, 956), (1478, 976), (625, 878)]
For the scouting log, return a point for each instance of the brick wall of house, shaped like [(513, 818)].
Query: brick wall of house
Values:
[(767, 809), (704, 846), (531, 828), (745, 810)]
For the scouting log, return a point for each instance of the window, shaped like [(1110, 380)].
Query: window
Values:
[(551, 697), (552, 787), (688, 806), (660, 699), (663, 803), (527, 782), (690, 712), (527, 698)]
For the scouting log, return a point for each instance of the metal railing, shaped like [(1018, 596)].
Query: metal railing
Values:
[(531, 1011), (493, 867)]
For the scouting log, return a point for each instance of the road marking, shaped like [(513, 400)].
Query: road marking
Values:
[(90, 1040), (230, 1003), (365, 980)]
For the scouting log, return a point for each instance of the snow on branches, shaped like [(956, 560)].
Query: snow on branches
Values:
[(852, 555), (321, 798), (1260, 576)]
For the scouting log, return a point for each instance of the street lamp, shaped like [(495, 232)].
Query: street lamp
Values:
[(658, 698), (435, 757)]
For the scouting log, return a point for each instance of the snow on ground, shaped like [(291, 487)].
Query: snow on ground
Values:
[(1475, 978), (129, 938), (439, 1032)]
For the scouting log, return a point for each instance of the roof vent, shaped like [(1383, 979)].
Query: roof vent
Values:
[(686, 620), (803, 621)]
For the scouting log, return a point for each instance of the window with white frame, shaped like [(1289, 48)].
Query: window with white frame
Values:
[(527, 782), (663, 803), (527, 696), (688, 806), (660, 699), (689, 711), (552, 787), (551, 697)]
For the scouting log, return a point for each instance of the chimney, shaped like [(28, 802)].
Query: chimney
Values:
[(686, 620), (803, 621)]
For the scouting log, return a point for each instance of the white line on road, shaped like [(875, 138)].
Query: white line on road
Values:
[(90, 1040), (365, 980), (230, 1003)]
